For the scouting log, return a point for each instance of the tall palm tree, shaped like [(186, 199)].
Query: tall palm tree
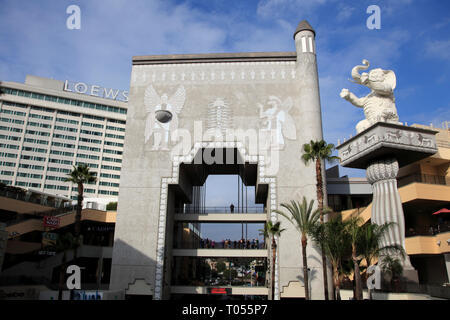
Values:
[(305, 219), (64, 243), (354, 230), (79, 176), (272, 230), (318, 151), (333, 237), (370, 247)]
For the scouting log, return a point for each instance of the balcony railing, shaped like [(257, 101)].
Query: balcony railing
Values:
[(224, 244), (59, 212), (208, 210), (21, 218), (17, 193), (430, 230), (423, 178), (247, 272)]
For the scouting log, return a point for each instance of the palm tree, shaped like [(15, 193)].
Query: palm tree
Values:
[(393, 267), (318, 151), (64, 243), (305, 219), (354, 230), (79, 176), (370, 244), (333, 237), (272, 230)]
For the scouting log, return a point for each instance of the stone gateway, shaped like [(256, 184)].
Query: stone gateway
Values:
[(261, 106)]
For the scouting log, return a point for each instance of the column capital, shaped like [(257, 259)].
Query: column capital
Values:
[(382, 169)]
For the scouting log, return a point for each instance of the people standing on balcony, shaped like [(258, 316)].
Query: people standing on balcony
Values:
[(431, 230), (232, 208), (440, 222), (257, 243), (213, 243)]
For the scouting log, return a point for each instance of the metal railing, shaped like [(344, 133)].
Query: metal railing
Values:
[(21, 194), (423, 178), (430, 230), (21, 218), (38, 215), (224, 244), (208, 210)]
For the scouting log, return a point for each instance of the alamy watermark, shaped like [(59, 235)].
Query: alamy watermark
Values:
[(374, 280), (217, 146), (74, 280), (374, 20), (74, 20)]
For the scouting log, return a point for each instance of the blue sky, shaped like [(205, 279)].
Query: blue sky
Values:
[(414, 41)]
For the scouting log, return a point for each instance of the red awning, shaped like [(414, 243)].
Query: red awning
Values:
[(443, 210)]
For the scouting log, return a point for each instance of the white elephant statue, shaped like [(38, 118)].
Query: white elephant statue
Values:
[(379, 104)]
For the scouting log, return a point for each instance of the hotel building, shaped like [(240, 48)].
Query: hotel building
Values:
[(47, 127)]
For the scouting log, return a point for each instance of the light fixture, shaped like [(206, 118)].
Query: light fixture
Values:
[(163, 116)]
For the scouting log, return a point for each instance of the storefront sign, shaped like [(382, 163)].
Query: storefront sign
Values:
[(50, 221), (14, 293), (88, 295), (96, 91), (101, 229), (219, 290), (49, 238), (46, 253)]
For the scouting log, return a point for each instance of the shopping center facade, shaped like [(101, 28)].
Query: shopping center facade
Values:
[(189, 117)]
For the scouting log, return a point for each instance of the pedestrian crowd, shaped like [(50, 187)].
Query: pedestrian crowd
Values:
[(229, 244)]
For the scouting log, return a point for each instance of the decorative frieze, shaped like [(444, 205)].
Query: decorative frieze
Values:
[(214, 73), (386, 138)]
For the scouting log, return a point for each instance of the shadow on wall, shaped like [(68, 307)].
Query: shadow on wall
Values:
[(133, 271), (312, 272), (137, 273)]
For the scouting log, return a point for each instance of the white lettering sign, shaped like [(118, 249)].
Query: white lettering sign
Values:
[(96, 91)]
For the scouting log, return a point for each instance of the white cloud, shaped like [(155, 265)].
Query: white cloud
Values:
[(439, 49), (435, 116), (271, 8), (345, 12), (110, 35)]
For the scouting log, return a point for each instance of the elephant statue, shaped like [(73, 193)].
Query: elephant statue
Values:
[(379, 104)]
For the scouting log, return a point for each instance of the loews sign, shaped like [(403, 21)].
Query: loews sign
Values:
[(96, 91)]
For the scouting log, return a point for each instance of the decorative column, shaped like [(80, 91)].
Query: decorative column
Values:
[(386, 203), (382, 149)]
